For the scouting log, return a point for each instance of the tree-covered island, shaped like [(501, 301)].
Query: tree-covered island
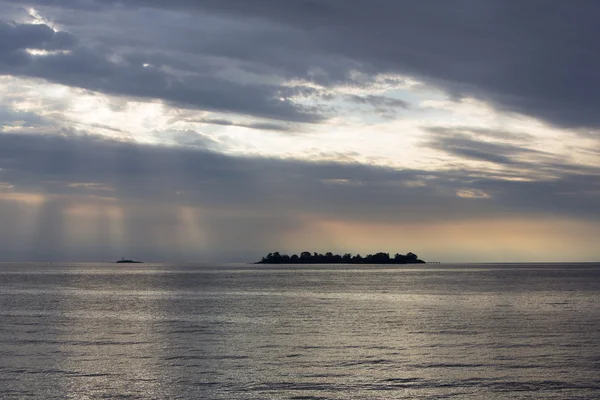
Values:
[(329, 258)]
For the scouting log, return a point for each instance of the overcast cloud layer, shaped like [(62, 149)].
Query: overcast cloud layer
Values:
[(224, 129)]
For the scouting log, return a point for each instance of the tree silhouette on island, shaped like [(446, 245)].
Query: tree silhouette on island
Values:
[(330, 258), (128, 261)]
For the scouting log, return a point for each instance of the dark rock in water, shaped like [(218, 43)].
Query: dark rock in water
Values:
[(124, 261)]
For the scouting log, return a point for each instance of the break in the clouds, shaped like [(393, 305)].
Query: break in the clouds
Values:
[(463, 130)]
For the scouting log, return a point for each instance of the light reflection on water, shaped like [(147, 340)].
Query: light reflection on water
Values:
[(335, 332)]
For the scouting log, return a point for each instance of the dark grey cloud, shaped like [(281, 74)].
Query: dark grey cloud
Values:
[(246, 203), (147, 73), (9, 118), (483, 133), (526, 56), (518, 160), (378, 101), (14, 37), (462, 146), (263, 126), (195, 139), (531, 56), (94, 71), (212, 180)]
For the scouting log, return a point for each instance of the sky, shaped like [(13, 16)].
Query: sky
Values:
[(221, 130)]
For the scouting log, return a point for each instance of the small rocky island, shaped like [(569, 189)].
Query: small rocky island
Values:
[(127, 261), (330, 258)]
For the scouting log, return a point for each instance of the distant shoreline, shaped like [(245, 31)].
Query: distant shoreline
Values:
[(330, 258), (123, 261)]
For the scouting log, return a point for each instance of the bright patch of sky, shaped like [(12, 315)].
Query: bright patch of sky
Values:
[(359, 128)]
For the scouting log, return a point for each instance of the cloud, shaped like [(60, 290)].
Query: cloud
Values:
[(485, 133), (15, 37), (382, 105), (95, 72), (209, 179), (11, 118), (263, 126), (347, 68), (528, 57), (464, 147), (378, 101), (195, 139), (97, 69), (531, 57), (516, 160), (90, 196)]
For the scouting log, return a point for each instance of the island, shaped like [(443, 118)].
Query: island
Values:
[(329, 258), (125, 261)]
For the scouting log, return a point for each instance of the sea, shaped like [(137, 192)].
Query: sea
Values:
[(237, 331)]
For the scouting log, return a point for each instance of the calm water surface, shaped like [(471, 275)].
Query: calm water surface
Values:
[(101, 331)]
